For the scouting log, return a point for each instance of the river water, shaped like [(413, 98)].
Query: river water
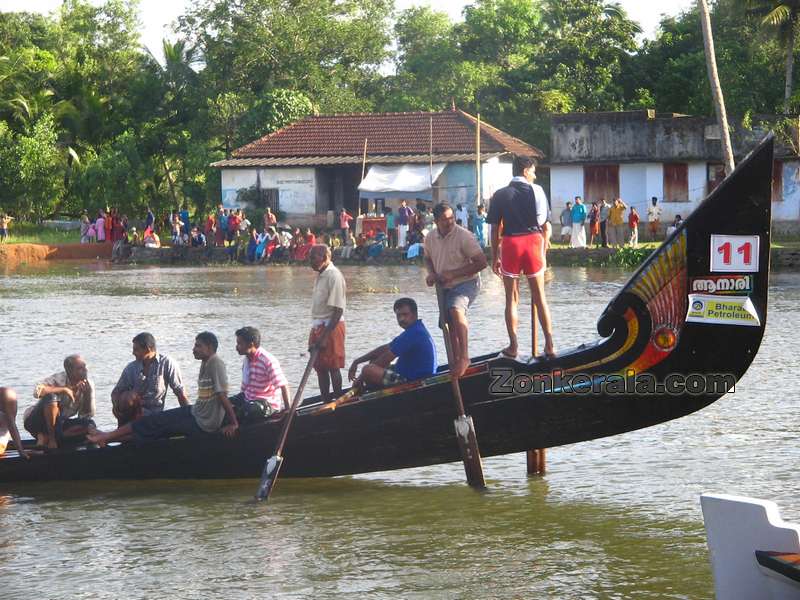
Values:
[(613, 518)]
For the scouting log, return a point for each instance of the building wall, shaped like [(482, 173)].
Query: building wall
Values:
[(788, 209), (566, 182), (297, 190), (641, 181), (633, 186), (494, 175)]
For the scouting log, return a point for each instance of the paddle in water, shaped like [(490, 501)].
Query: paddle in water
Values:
[(465, 428), (273, 465)]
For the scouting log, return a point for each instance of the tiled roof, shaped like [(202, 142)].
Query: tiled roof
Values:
[(386, 133), (376, 159)]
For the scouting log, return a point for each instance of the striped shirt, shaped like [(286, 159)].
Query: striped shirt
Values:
[(262, 379)]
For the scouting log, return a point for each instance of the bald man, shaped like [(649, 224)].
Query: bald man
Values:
[(65, 408), (328, 302)]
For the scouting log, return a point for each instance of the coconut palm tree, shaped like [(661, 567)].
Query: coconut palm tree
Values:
[(716, 88), (783, 17)]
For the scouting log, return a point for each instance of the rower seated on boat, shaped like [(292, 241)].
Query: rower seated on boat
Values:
[(212, 413), (8, 425), (265, 389), (150, 375), (414, 350), (65, 407)]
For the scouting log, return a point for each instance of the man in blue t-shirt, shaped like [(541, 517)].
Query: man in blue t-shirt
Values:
[(414, 350)]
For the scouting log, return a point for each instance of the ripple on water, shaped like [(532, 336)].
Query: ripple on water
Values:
[(613, 518)]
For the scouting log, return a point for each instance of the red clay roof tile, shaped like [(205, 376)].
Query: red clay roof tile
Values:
[(386, 133)]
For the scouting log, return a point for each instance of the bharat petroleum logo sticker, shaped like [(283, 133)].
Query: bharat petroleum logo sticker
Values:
[(697, 305)]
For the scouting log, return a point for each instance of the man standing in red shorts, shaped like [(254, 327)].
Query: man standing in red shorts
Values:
[(328, 302), (520, 211)]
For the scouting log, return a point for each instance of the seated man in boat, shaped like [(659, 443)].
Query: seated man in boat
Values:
[(413, 349), (206, 416), (265, 389), (65, 408), (150, 375), (8, 425)]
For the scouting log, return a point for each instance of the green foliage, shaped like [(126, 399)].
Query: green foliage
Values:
[(41, 171), (89, 119), (627, 257)]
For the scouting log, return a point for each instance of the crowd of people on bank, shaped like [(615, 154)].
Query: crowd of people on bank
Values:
[(453, 258), (607, 225)]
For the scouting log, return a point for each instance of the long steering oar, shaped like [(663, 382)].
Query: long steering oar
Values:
[(273, 464), (465, 428)]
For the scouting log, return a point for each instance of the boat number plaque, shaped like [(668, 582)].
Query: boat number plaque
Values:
[(734, 253)]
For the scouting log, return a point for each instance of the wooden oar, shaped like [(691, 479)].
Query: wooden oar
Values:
[(273, 464), (465, 428)]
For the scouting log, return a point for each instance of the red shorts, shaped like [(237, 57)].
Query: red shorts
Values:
[(522, 254)]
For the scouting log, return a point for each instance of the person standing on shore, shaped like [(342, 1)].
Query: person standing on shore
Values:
[(633, 224), (5, 221), (578, 231), (653, 218), (604, 208), (344, 221), (521, 209), (100, 226), (479, 226), (150, 219), (594, 223), (617, 219), (566, 223), (404, 216), (270, 220), (328, 302)]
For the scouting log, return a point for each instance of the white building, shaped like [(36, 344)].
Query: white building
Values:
[(638, 155), (309, 170)]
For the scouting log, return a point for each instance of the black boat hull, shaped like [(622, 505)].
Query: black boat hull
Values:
[(412, 425)]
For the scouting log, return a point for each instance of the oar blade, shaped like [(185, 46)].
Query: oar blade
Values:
[(268, 477), (471, 456)]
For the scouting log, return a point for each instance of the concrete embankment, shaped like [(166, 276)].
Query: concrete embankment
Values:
[(12, 255)]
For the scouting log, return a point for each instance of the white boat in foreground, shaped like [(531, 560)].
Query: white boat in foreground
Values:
[(754, 553)]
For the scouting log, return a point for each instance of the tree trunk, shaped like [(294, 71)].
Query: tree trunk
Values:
[(716, 89), (787, 93), (170, 182)]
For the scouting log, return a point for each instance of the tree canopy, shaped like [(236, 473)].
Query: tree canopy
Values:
[(89, 118)]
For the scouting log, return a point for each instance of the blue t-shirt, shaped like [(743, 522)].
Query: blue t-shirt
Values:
[(416, 354)]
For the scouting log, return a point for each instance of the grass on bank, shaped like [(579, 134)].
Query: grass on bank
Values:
[(31, 233)]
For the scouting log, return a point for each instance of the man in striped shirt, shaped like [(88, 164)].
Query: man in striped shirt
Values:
[(263, 381)]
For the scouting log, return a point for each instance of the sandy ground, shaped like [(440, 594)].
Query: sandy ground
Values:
[(12, 255)]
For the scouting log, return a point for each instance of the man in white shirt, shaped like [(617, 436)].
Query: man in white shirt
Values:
[(328, 302), (66, 405), (653, 218)]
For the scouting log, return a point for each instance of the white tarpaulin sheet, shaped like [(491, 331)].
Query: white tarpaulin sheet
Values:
[(400, 178)]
